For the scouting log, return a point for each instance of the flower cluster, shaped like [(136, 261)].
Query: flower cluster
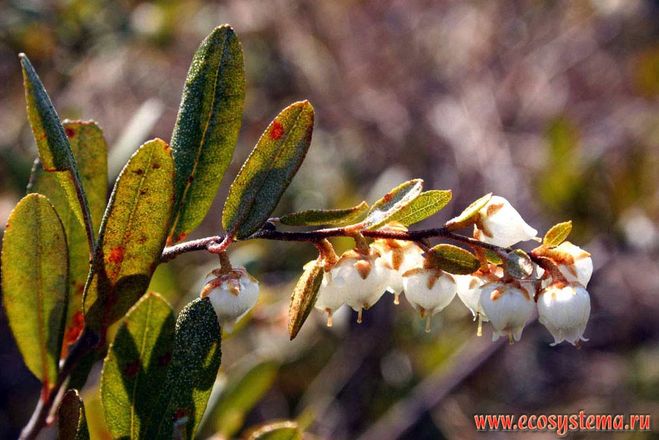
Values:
[(556, 289)]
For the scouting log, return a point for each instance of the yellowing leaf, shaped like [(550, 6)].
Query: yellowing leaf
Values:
[(34, 284), (268, 170), (304, 296), (207, 126), (132, 236), (468, 216), (326, 217), (391, 203), (428, 203), (557, 234)]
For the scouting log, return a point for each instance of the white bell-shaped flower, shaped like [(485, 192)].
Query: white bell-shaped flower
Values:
[(397, 257), (332, 294), (469, 291), (500, 224), (429, 291), (508, 307), (564, 310), (232, 294), (575, 264)]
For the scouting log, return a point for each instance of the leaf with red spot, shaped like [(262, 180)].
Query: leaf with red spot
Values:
[(34, 284), (53, 144), (72, 419), (207, 126), (90, 151), (132, 236), (194, 364), (134, 371), (391, 203), (268, 170)]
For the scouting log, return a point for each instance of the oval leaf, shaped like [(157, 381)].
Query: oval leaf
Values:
[(136, 367), (53, 145), (427, 204), (557, 234), (268, 170), (207, 126), (454, 259), (279, 430), (304, 296), (243, 390), (132, 234), (191, 374), (72, 419), (326, 217), (90, 150), (395, 200), (467, 216), (519, 264), (34, 284)]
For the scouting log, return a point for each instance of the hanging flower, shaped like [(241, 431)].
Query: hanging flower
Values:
[(429, 291), (508, 308), (564, 310), (231, 293), (397, 257), (500, 224)]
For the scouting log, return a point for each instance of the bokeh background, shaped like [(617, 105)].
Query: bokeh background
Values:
[(552, 104)]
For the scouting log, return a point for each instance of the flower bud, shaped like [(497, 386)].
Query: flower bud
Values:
[(397, 257), (429, 291), (574, 263), (500, 224), (232, 294), (564, 310), (508, 308)]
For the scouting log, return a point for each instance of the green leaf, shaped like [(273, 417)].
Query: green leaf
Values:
[(468, 216), (72, 419), (519, 264), (304, 296), (326, 217), (492, 256), (54, 148), (136, 367), (454, 259), (242, 392), (393, 202), (90, 151), (557, 234), (268, 170), (34, 284), (191, 374), (428, 203), (279, 430), (132, 236), (207, 126)]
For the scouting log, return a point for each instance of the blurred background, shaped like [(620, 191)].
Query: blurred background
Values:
[(552, 104)]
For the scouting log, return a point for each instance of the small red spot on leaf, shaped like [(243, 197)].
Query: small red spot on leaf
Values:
[(116, 255), (74, 330), (155, 166), (132, 368), (387, 198), (139, 171), (165, 359), (277, 130), (70, 132), (180, 413)]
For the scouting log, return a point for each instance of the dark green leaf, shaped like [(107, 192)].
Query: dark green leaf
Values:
[(241, 393), (268, 170), (279, 430), (90, 151), (454, 259), (393, 202), (326, 217), (207, 127), (191, 374), (468, 216), (136, 367), (34, 284), (428, 203), (72, 419), (557, 234), (54, 148), (133, 234), (519, 264), (304, 296)]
